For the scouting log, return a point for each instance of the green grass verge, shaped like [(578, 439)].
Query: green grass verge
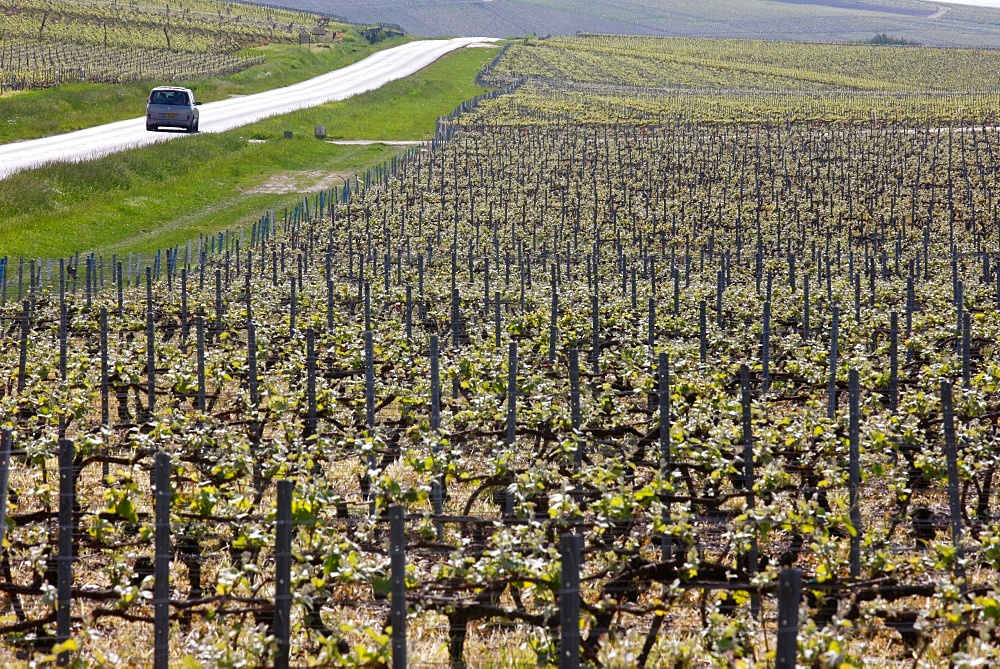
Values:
[(31, 114), (158, 196)]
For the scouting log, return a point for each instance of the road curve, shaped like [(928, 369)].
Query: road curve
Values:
[(365, 75)]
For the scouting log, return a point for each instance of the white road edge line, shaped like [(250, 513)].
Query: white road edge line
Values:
[(365, 75)]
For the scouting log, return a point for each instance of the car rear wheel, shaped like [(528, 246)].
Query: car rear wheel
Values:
[(194, 126), (152, 127)]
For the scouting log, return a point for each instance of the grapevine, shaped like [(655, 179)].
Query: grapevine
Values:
[(787, 295)]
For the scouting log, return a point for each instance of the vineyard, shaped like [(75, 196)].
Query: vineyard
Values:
[(539, 392), (633, 80), (45, 44), (650, 62), (32, 65)]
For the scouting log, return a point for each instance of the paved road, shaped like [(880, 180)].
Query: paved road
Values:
[(370, 73)]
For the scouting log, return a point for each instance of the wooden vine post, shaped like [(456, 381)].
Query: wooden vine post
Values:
[(397, 576), (748, 478), (161, 562), (570, 548), (64, 562), (854, 475), (954, 492), (789, 594), (283, 574), (6, 446)]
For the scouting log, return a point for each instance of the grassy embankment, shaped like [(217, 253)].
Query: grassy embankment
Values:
[(38, 113), (163, 195)]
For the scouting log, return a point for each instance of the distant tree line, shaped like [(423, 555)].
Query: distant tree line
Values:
[(884, 39)]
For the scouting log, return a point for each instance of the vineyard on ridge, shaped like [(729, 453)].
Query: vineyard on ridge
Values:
[(650, 62), (704, 352), (45, 44), (627, 79)]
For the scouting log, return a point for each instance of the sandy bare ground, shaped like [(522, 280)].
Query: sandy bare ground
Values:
[(300, 182), (366, 142)]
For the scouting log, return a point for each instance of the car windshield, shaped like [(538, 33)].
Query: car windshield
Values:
[(169, 98)]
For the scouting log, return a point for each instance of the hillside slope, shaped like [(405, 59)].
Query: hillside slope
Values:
[(935, 24)]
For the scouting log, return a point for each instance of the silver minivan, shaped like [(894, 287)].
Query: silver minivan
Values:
[(172, 107)]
